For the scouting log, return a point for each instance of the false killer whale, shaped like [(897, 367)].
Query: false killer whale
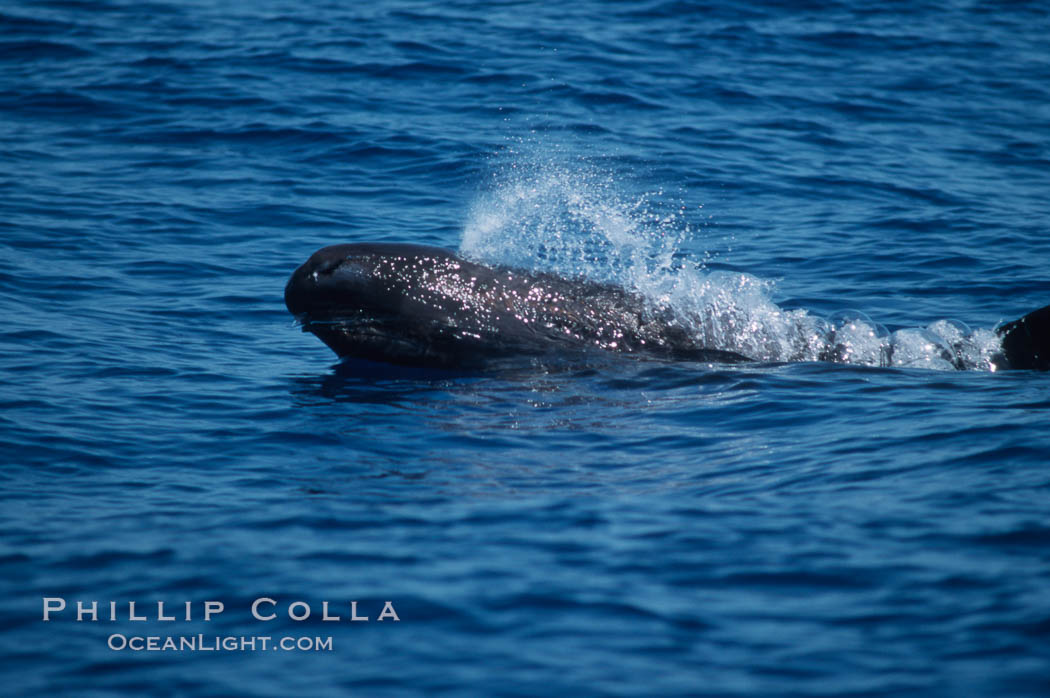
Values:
[(416, 305)]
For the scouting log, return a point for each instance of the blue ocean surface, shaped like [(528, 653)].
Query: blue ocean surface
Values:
[(608, 526)]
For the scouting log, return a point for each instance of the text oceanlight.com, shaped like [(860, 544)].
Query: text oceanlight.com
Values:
[(214, 643)]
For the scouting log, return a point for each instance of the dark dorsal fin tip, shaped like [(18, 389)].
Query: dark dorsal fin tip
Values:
[(1026, 341)]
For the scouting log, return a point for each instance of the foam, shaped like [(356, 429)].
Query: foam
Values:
[(561, 214)]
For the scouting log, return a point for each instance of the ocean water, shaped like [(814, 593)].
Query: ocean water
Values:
[(612, 526)]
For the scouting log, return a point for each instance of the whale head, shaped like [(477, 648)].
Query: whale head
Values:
[(412, 305)]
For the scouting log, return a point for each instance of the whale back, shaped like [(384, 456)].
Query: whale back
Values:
[(421, 305), (1026, 341)]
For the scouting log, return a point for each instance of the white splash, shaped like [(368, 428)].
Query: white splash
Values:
[(569, 218), (566, 216)]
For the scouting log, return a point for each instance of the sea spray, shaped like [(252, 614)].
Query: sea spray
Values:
[(546, 211), (570, 218)]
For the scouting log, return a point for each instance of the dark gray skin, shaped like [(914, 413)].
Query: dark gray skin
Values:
[(415, 305), (1026, 342)]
